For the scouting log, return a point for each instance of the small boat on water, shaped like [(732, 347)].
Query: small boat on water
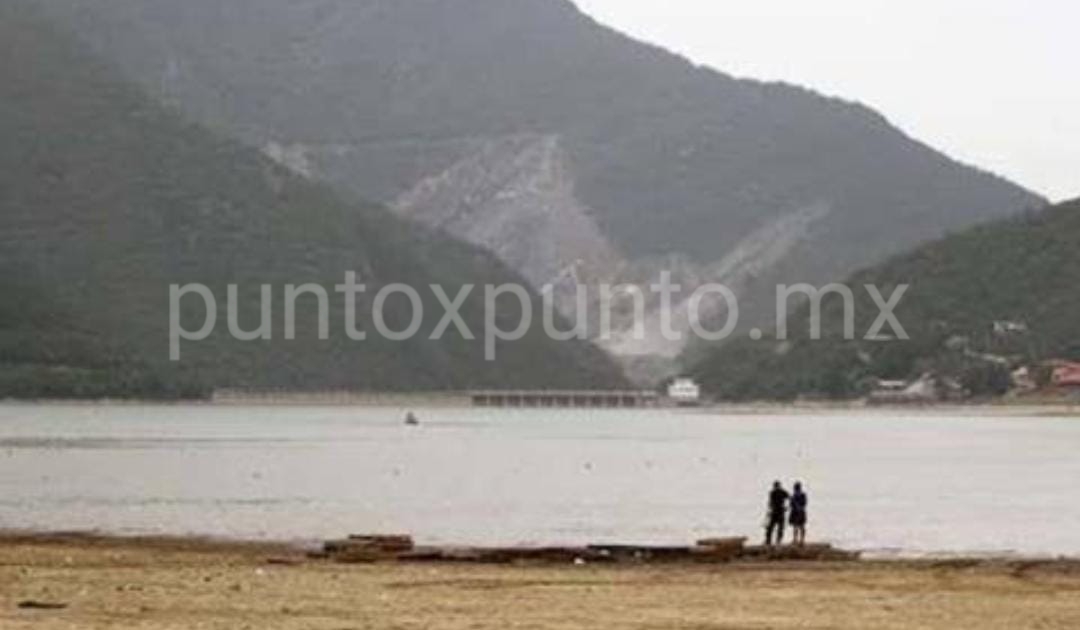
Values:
[(411, 420)]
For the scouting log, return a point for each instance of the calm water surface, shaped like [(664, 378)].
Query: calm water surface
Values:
[(891, 483)]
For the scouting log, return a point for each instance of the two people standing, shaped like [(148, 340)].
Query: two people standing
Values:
[(779, 502)]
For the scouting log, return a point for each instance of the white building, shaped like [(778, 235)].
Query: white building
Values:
[(685, 392)]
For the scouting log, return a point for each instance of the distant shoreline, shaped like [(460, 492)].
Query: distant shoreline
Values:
[(439, 400)]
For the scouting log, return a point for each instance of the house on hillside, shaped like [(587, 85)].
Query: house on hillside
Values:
[(1067, 376), (1024, 380), (684, 392), (922, 391), (1011, 328)]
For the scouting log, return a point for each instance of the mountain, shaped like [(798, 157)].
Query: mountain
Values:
[(577, 154), (108, 198), (980, 304)]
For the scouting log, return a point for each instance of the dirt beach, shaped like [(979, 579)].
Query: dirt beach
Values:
[(84, 582)]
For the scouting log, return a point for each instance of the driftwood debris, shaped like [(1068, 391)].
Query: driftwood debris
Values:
[(378, 548), (369, 548)]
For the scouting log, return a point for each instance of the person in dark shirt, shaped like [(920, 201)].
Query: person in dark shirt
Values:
[(778, 499), (799, 503)]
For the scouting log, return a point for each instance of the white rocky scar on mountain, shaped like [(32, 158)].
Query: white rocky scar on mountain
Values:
[(516, 196)]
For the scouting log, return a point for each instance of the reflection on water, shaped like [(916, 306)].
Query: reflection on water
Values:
[(919, 483)]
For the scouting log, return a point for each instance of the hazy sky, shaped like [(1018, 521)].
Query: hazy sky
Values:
[(995, 83)]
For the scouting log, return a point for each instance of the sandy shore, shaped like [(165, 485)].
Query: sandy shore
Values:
[(154, 584)]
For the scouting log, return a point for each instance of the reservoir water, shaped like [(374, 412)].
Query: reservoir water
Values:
[(887, 482)]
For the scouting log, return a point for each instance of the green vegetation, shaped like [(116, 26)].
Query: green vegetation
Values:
[(107, 198), (981, 302)]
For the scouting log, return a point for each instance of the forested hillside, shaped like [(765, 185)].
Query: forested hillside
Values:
[(980, 303), (107, 198)]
